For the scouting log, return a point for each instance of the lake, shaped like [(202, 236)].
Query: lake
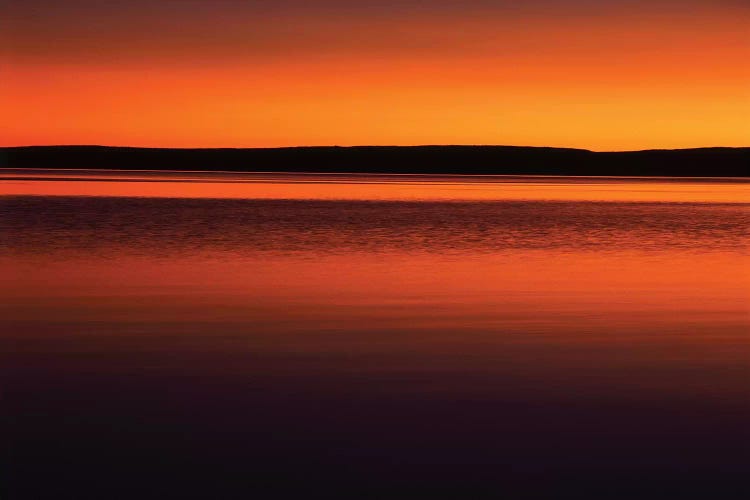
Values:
[(224, 335)]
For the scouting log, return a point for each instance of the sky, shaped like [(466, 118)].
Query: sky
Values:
[(602, 75)]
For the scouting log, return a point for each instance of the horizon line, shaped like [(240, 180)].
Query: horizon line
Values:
[(335, 146)]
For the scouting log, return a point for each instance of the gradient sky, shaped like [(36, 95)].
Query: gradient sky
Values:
[(605, 75)]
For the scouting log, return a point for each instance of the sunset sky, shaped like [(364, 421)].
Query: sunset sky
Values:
[(595, 74)]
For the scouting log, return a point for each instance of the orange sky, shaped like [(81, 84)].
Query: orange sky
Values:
[(633, 75)]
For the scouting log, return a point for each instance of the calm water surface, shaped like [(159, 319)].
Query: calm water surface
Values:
[(269, 336)]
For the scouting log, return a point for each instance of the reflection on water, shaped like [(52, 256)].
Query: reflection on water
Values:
[(401, 187), (510, 343)]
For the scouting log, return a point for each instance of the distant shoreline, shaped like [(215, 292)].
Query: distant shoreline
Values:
[(398, 160)]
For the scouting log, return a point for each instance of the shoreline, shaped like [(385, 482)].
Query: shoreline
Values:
[(221, 176)]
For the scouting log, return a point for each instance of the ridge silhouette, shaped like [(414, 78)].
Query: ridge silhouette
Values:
[(511, 160)]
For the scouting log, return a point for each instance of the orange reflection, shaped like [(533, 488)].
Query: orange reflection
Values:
[(651, 315), (375, 187), (561, 313)]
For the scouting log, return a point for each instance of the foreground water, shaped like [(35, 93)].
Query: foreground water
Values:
[(254, 336)]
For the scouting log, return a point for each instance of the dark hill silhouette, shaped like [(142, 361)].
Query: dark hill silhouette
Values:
[(718, 162)]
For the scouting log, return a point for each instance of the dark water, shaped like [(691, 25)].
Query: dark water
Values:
[(389, 345)]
